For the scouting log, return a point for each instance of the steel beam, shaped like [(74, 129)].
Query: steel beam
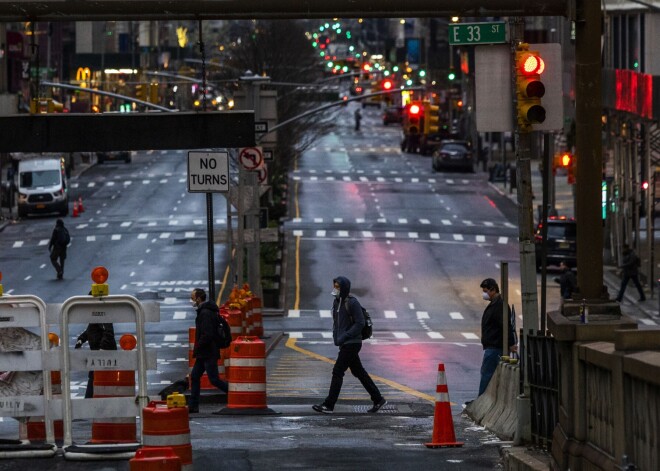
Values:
[(95, 10), (138, 131)]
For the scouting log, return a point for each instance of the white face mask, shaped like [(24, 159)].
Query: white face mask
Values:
[(335, 292), (485, 296)]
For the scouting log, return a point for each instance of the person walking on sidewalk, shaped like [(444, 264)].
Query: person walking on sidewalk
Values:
[(492, 332), (206, 351), (630, 264), (59, 241), (347, 324)]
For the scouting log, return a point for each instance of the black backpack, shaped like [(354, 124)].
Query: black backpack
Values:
[(368, 329), (222, 332), (63, 237)]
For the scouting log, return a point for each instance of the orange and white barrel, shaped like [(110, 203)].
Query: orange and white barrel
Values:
[(149, 458), (114, 384), (168, 427), (247, 374)]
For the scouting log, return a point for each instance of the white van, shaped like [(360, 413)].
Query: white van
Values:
[(42, 186)]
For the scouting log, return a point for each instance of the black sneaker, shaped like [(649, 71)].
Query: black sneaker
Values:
[(377, 405), (322, 408)]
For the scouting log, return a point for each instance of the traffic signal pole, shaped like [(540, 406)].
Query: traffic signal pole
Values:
[(529, 299)]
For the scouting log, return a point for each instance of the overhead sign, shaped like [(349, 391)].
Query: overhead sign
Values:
[(251, 157), (261, 127), (208, 172), (477, 33)]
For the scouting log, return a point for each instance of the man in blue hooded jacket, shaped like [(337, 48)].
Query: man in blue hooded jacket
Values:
[(347, 324)]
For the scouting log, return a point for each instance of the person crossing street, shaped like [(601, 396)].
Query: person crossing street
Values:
[(57, 246)]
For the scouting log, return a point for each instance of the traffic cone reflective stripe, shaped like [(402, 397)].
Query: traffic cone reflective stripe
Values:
[(443, 424)]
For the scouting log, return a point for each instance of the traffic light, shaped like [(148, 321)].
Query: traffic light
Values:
[(387, 84), (567, 161), (366, 71), (141, 92), (413, 115), (451, 76), (431, 118), (153, 92), (529, 87)]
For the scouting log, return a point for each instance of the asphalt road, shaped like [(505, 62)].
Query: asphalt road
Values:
[(415, 243)]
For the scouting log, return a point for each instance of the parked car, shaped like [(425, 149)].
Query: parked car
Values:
[(562, 242), (124, 155), (393, 114), (453, 153)]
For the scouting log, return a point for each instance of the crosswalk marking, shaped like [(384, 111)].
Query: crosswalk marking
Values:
[(435, 335), (470, 336), (455, 315), (401, 335), (422, 315), (390, 314)]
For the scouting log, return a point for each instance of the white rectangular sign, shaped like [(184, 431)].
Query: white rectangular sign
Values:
[(208, 172)]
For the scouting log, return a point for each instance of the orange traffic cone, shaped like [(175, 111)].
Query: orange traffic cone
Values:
[(80, 205), (75, 209), (443, 424)]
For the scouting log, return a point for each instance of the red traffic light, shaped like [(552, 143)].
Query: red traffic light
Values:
[(645, 185), (531, 64), (414, 109), (387, 84)]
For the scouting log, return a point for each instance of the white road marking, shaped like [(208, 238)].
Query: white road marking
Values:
[(470, 336), (456, 315), (422, 315), (435, 335), (294, 313), (390, 314)]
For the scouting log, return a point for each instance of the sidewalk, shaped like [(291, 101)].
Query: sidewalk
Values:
[(648, 311)]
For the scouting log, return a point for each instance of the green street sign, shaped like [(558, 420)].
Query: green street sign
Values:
[(477, 33)]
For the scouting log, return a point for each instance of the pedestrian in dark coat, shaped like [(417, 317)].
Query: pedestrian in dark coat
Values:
[(567, 281), (630, 271), (99, 337), (347, 324), (59, 240), (492, 332), (206, 351)]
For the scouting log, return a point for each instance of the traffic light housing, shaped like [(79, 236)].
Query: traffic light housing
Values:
[(141, 92), (529, 88), (413, 115), (431, 118), (153, 92)]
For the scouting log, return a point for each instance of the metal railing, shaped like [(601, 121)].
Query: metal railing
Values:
[(542, 367)]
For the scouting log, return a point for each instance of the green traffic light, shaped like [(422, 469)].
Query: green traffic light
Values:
[(422, 73), (451, 76)]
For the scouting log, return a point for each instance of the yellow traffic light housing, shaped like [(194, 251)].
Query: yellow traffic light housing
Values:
[(431, 118), (412, 117), (529, 87), (153, 92), (141, 92)]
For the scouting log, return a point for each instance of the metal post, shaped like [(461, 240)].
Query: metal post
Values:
[(547, 172), (504, 283)]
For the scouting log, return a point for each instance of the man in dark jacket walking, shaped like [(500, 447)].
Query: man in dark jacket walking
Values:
[(57, 247), (206, 351), (630, 270), (100, 337), (492, 332), (347, 324)]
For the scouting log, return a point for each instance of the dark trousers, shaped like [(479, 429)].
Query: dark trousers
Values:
[(89, 392), (348, 358), (624, 283), (56, 255), (210, 365)]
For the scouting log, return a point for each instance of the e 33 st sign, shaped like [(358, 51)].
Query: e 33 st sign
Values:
[(208, 172), (477, 33)]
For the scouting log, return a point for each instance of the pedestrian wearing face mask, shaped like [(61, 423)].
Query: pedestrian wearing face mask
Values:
[(492, 332), (347, 324), (206, 351)]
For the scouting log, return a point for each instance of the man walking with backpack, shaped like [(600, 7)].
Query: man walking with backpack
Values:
[(347, 324), (206, 351), (59, 241)]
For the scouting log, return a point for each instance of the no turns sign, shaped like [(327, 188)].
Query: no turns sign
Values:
[(208, 172)]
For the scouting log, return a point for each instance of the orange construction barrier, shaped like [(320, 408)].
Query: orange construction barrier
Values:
[(247, 374), (114, 384), (150, 458), (443, 423), (204, 382), (168, 427), (75, 209), (34, 428)]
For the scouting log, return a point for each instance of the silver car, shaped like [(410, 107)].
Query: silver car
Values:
[(453, 153)]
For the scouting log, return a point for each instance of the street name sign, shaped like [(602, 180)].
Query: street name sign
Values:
[(208, 172), (260, 127), (477, 33)]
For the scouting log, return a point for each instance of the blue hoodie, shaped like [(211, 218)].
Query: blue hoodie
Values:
[(347, 317)]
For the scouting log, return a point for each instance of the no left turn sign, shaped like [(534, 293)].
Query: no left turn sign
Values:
[(251, 157)]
